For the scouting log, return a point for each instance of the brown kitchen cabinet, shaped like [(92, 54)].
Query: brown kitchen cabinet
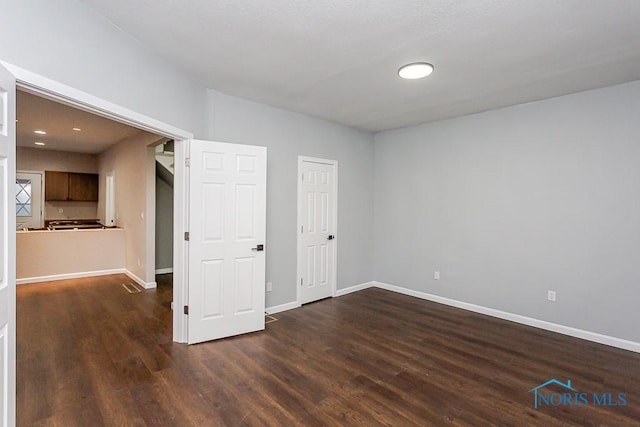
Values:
[(70, 186), (56, 185), (83, 187)]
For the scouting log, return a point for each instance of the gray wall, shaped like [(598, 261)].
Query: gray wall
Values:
[(68, 42), (506, 204), (287, 135), (511, 203), (164, 224)]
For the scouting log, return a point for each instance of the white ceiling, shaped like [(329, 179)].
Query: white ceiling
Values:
[(338, 59), (58, 120)]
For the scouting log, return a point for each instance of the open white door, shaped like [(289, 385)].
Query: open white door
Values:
[(7, 248), (227, 228)]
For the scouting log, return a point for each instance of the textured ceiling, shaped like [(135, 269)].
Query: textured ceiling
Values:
[(36, 113), (338, 59)]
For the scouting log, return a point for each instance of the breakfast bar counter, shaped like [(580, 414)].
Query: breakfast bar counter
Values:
[(44, 255)]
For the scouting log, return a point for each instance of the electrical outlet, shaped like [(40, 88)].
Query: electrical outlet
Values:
[(436, 275), (551, 295), (139, 263), (269, 286)]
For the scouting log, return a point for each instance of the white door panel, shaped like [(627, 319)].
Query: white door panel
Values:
[(317, 218), (7, 248), (227, 222)]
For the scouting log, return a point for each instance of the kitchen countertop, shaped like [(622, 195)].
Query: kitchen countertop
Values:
[(41, 230)]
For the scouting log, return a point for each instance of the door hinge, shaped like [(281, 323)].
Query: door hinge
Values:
[(302, 177), (186, 309), (186, 236), (187, 161), (301, 281), (302, 228)]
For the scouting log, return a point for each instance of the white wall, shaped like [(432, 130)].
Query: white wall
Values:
[(133, 164), (510, 203), (287, 135), (68, 42)]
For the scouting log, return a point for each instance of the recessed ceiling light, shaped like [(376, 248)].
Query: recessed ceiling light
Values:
[(39, 143), (40, 132), (77, 129), (416, 70)]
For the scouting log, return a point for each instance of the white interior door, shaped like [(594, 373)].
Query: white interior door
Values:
[(7, 248), (29, 200), (227, 228), (317, 233)]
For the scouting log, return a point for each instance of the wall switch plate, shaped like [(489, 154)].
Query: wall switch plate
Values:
[(551, 295), (436, 275), (269, 286), (60, 210)]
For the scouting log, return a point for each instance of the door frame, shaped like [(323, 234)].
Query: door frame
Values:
[(41, 173), (42, 86), (300, 221)]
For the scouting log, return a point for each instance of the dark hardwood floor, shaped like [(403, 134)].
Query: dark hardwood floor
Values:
[(92, 354)]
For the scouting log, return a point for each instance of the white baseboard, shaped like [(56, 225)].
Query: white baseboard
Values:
[(355, 288), (536, 323), (164, 270), (339, 293), (53, 277), (139, 281), (282, 307), (79, 275)]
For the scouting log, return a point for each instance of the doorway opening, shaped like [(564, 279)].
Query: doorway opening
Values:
[(89, 173), (164, 184), (35, 84)]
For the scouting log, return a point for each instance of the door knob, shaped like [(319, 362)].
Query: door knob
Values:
[(258, 248), (331, 237)]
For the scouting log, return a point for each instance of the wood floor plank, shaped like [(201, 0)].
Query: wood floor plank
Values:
[(90, 353)]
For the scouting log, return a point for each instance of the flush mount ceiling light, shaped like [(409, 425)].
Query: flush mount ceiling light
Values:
[(415, 70), (77, 129), (40, 132), (39, 143)]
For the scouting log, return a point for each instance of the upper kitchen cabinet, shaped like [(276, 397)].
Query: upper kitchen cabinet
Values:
[(71, 186), (56, 185), (83, 187)]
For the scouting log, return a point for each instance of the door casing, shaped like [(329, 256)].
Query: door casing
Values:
[(53, 90)]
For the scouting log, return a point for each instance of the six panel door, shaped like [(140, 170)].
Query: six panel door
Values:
[(227, 226), (317, 210)]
